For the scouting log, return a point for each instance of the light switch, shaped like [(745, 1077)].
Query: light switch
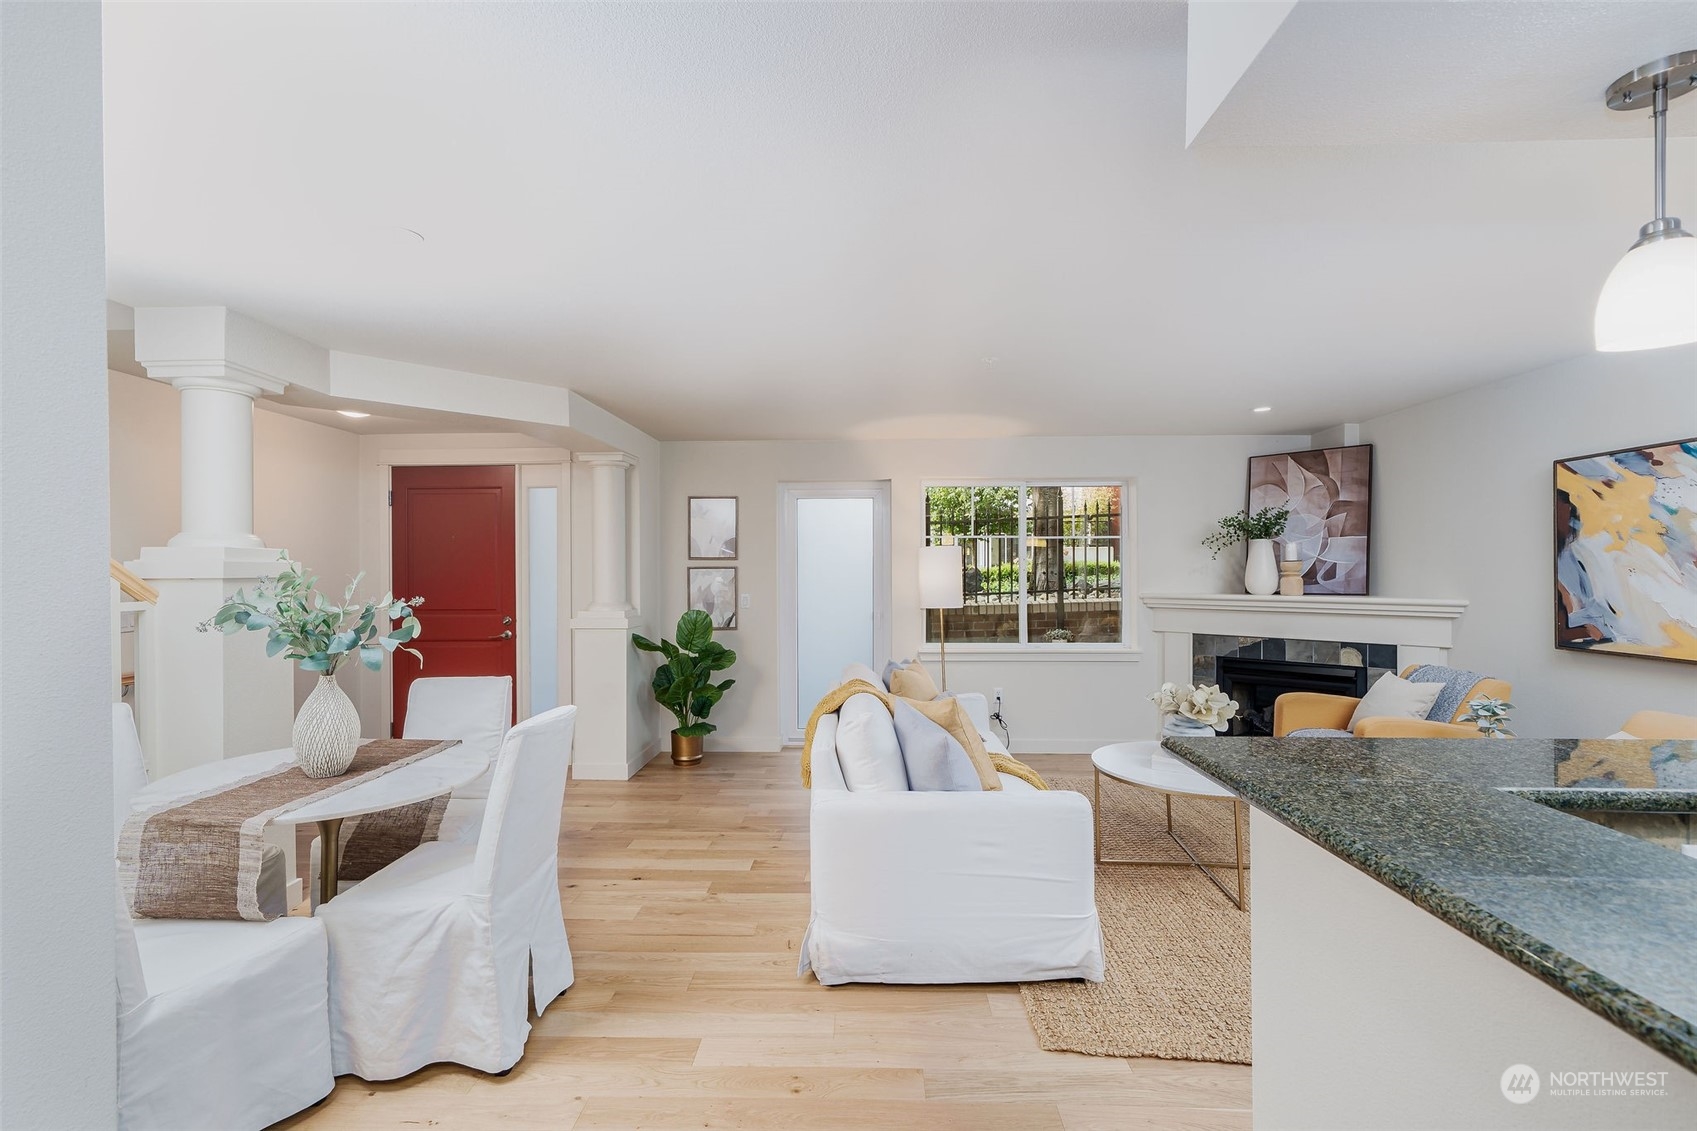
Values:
[(745, 600)]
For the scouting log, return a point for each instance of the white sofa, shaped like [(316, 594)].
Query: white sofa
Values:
[(935, 888)]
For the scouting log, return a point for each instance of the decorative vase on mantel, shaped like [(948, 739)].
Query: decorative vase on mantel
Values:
[(326, 733), (1261, 571)]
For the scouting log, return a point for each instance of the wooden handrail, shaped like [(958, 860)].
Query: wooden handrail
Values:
[(132, 586)]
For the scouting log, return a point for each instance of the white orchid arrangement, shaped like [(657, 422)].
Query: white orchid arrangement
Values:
[(1490, 716), (1204, 703)]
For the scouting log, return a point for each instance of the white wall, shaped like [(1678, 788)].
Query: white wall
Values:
[(1181, 485), (305, 488), (57, 1007), (1462, 507)]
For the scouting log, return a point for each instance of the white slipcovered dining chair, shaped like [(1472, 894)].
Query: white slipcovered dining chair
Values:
[(474, 709), (428, 956), (223, 1025)]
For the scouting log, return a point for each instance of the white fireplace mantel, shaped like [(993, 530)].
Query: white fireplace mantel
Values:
[(1421, 628)]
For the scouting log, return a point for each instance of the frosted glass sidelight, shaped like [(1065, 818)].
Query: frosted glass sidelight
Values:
[(542, 524), (835, 596)]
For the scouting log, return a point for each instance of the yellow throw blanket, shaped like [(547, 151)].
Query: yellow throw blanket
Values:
[(837, 696)]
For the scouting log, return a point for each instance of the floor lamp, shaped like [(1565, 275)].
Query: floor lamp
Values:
[(940, 587)]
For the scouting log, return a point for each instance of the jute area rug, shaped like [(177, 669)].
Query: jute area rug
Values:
[(1177, 951)]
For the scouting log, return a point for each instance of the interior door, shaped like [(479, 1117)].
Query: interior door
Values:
[(454, 545), (835, 588)]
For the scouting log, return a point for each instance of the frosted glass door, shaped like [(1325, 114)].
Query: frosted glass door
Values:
[(836, 593)]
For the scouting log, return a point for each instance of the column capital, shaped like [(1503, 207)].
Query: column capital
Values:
[(221, 377), (606, 459)]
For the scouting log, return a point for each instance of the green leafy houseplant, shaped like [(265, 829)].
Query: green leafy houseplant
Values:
[(1268, 522), (1490, 716), (318, 635), (683, 683)]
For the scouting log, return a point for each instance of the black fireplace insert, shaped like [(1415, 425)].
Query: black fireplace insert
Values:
[(1256, 683)]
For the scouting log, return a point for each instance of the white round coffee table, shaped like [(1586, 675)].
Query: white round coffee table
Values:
[(1148, 766)]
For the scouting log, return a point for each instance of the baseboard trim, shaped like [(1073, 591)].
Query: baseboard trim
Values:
[(745, 743)]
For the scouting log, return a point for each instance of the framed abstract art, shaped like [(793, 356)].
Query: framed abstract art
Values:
[(713, 590), (712, 528), (1330, 495), (1626, 552)]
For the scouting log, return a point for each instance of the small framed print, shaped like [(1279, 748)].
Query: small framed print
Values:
[(712, 528), (713, 590)]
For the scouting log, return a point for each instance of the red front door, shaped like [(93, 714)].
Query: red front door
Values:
[(454, 546)]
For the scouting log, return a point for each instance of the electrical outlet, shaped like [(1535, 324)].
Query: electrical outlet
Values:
[(745, 600), (998, 695)]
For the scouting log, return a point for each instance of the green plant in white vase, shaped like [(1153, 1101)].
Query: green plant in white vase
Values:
[(1490, 716), (321, 637), (1261, 569)]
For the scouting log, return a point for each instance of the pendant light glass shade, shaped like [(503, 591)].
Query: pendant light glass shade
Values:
[(1650, 298)]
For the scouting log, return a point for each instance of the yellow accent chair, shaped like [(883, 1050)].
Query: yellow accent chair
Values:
[(1659, 726), (1303, 710)]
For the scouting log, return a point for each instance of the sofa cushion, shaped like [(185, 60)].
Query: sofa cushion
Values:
[(1016, 785), (853, 672), (867, 750), (951, 715), (1393, 697), (935, 760), (891, 668), (913, 682)]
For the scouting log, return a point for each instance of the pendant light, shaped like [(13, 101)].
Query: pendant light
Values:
[(1650, 298)]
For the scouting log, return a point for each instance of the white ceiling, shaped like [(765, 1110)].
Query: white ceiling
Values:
[(811, 220), (1357, 73)]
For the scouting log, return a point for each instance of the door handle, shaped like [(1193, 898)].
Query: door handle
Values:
[(507, 635)]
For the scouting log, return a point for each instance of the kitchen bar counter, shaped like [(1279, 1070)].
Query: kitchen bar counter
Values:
[(1473, 832)]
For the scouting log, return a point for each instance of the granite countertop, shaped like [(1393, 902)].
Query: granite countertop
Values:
[(1472, 831)]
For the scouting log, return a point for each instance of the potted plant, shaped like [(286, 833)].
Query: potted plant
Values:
[(321, 637), (1193, 712), (1490, 716), (1261, 570), (683, 683)]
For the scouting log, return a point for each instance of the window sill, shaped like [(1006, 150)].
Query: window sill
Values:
[(1042, 653)]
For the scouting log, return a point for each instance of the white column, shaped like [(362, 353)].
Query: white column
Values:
[(610, 531), (217, 462), (608, 682)]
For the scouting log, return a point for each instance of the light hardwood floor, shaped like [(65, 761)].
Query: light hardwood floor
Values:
[(686, 895)]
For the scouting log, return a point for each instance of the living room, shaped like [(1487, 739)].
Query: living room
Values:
[(942, 382)]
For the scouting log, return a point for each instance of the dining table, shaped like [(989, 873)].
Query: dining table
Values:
[(430, 776)]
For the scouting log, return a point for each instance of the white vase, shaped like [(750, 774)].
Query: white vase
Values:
[(1261, 572), (1180, 727), (326, 731)]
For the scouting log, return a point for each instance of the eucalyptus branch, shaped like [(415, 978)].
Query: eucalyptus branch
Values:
[(316, 635)]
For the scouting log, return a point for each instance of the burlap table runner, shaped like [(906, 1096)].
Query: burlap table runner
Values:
[(197, 857)]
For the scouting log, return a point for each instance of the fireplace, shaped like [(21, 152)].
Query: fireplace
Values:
[(1255, 683)]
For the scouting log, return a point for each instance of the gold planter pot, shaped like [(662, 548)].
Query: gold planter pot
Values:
[(685, 751)]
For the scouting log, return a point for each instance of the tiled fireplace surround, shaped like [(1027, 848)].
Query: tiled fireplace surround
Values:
[(1380, 633)]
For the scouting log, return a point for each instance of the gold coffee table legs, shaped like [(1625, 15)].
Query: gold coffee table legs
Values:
[(1204, 866), (329, 858)]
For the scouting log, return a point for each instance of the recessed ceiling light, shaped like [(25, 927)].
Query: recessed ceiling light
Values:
[(1265, 408), (352, 415)]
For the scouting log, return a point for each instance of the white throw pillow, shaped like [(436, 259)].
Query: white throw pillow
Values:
[(1396, 698), (867, 750)]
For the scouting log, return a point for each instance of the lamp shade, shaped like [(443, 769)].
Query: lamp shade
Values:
[(1650, 298), (940, 578)]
